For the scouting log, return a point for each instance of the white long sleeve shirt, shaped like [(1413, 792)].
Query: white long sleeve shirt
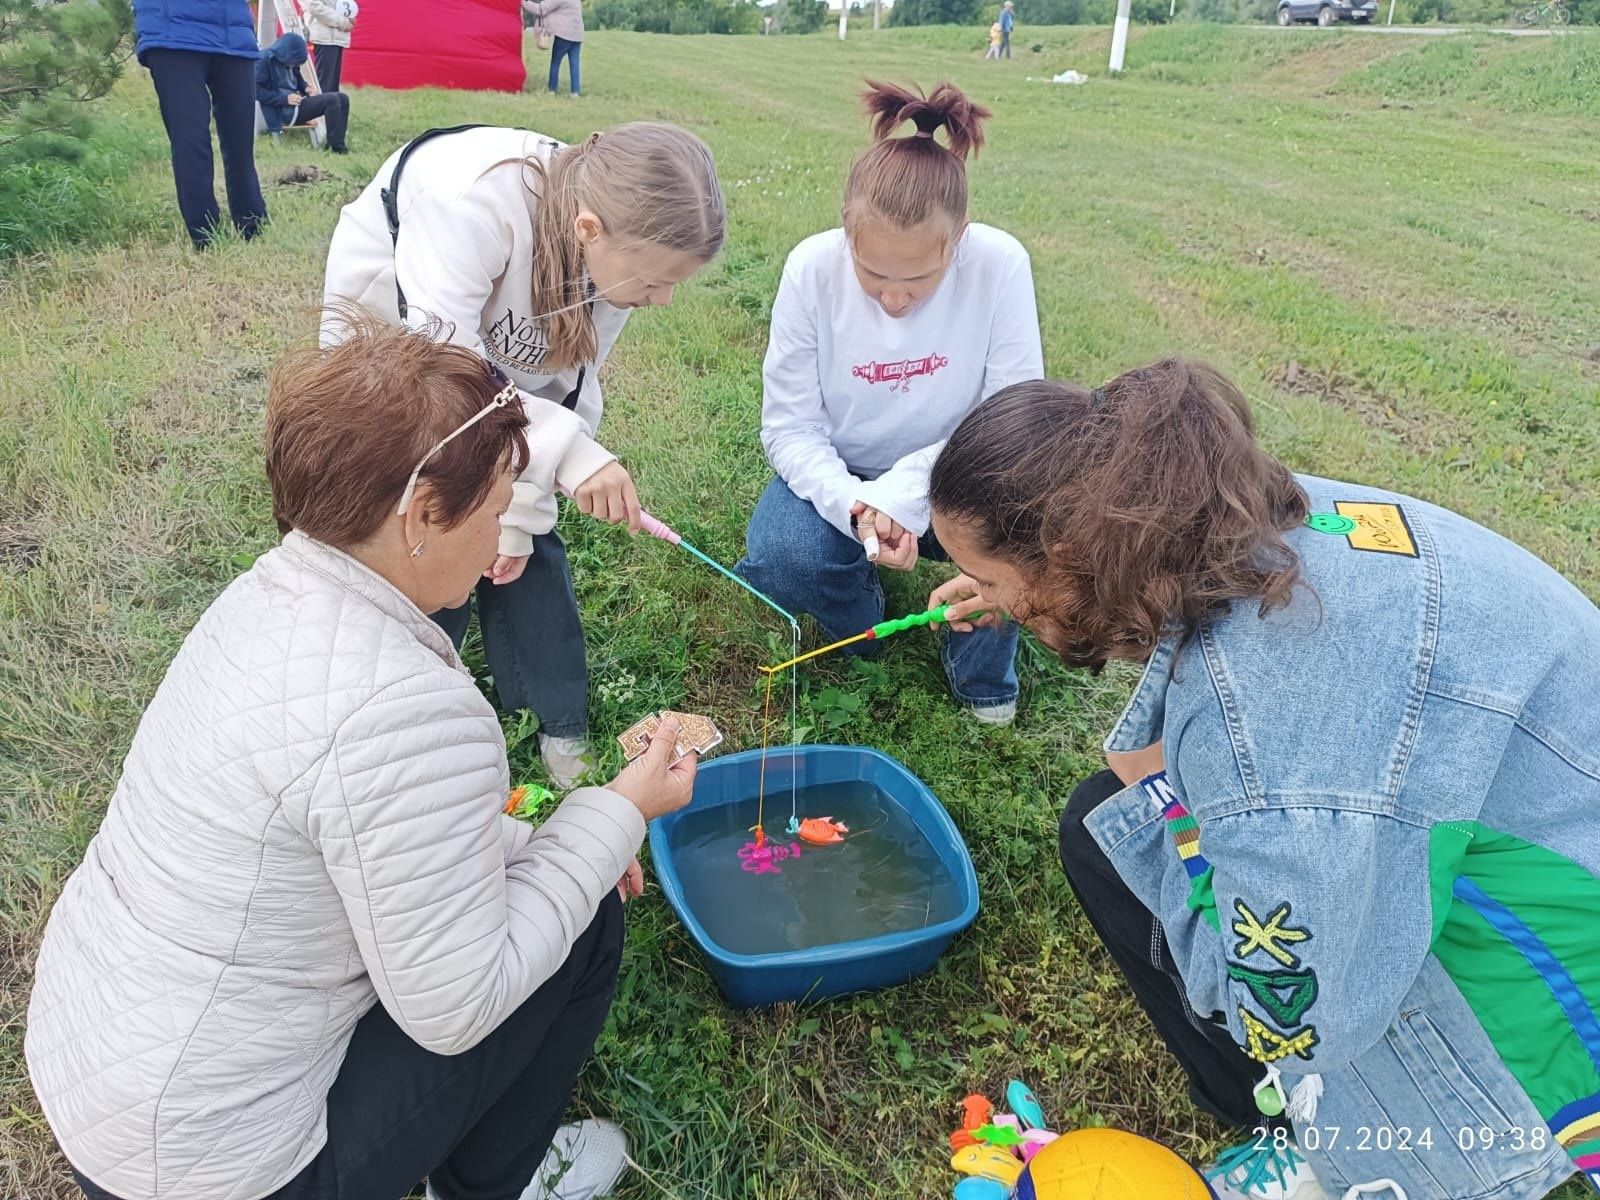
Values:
[(465, 257), (857, 404)]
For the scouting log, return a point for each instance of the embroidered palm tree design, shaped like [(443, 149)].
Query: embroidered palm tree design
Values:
[(1253, 935)]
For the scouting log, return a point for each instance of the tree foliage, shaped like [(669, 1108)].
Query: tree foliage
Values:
[(675, 16), (54, 59), (937, 12)]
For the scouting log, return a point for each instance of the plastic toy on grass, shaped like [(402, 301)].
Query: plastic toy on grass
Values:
[(988, 1162), (1004, 1136), (1021, 1100), (975, 1111), (977, 1188), (529, 800)]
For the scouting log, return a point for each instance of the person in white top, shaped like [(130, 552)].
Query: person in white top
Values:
[(885, 334), (531, 254), (307, 954), (328, 26)]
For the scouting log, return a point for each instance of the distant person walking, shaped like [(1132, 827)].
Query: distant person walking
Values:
[(563, 20), (328, 23), (1008, 22), (994, 43), (285, 100), (200, 54)]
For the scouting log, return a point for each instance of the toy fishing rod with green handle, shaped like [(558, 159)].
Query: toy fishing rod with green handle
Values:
[(882, 629)]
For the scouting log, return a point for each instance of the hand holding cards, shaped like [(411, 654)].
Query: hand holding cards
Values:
[(663, 756), (696, 734)]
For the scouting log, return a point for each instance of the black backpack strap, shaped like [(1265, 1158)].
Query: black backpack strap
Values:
[(391, 214), (391, 194), (572, 397)]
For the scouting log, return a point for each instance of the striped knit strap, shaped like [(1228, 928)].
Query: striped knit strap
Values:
[(1185, 830)]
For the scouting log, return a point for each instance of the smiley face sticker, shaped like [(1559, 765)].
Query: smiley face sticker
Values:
[(1331, 523)]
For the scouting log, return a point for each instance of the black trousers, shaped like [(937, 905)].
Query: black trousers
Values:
[(334, 109), (476, 1124), (533, 639), (1222, 1078), (330, 62), (192, 88)]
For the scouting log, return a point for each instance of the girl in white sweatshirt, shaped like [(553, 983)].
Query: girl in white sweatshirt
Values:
[(885, 334), (531, 253)]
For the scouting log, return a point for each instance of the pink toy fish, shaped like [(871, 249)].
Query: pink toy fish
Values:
[(762, 858)]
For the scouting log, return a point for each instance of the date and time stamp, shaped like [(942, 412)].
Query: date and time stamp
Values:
[(1401, 1139)]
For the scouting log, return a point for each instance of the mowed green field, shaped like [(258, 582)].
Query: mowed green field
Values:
[(1392, 242)]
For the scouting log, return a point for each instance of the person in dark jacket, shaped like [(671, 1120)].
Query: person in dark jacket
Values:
[(199, 54), (283, 96)]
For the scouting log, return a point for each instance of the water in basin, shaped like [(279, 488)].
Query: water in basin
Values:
[(885, 877)]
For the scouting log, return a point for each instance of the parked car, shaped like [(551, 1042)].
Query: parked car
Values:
[(1326, 12)]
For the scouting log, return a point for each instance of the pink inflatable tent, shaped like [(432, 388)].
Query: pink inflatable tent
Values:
[(470, 44)]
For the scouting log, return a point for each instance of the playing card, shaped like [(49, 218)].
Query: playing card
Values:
[(635, 739), (696, 733)]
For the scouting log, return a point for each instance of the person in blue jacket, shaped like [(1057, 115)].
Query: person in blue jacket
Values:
[(281, 92), (1346, 850), (199, 53)]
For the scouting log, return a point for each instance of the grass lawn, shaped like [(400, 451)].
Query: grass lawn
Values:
[(1392, 242)]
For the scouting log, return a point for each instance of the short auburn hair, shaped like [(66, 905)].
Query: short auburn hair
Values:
[(1134, 511), (347, 423)]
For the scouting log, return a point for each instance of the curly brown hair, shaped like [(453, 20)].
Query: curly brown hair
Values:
[(1133, 511)]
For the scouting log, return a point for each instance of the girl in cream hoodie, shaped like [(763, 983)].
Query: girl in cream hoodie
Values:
[(532, 253)]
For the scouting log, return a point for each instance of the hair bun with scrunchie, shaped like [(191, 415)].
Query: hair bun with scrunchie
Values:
[(946, 107)]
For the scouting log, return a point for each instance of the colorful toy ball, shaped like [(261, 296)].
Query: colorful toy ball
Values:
[(1109, 1164)]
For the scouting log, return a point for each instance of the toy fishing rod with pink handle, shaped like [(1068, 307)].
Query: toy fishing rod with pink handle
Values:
[(657, 528)]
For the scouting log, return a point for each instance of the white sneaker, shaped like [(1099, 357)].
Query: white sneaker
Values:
[(1259, 1170), (584, 1161), (566, 759), (995, 714)]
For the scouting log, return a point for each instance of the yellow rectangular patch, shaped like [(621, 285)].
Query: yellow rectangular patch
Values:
[(1379, 527)]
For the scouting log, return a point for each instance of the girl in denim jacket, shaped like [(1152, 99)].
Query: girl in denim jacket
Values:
[(1347, 850)]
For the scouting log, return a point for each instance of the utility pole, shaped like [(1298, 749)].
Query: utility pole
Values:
[(877, 12), (1119, 37)]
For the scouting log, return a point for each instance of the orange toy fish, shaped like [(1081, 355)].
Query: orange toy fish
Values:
[(823, 831)]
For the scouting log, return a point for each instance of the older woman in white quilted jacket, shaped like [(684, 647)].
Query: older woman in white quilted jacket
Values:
[(306, 956)]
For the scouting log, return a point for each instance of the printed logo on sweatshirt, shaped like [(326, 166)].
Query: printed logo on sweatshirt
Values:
[(517, 341), (898, 375)]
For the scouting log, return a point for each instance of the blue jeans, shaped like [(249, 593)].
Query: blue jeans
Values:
[(808, 566), (533, 640), (571, 51)]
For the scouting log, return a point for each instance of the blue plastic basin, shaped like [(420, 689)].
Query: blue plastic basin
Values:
[(753, 980)]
